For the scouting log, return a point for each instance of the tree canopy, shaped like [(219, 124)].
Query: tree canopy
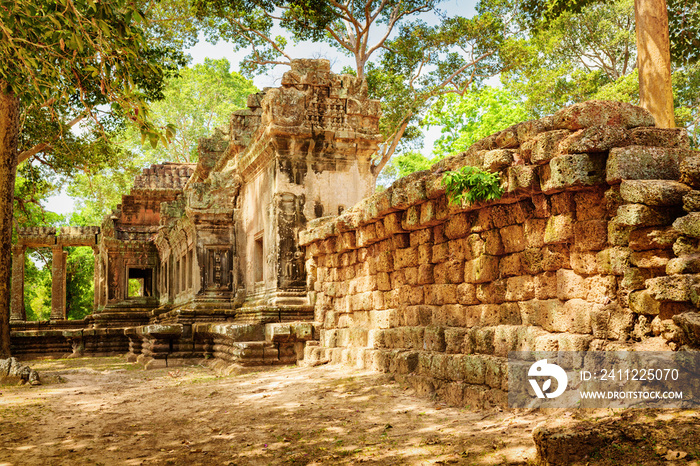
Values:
[(65, 62), (408, 62)]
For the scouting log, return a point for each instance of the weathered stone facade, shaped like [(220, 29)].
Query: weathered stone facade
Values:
[(589, 249), (214, 246)]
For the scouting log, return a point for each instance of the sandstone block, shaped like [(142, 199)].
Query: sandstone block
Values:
[(418, 237), (513, 238), (659, 137), (559, 229), (425, 274), (531, 261), (644, 163), (572, 170), (458, 249), (689, 322), (545, 285), (555, 257), (466, 294), (434, 338), (407, 257), (640, 215), (572, 317), (686, 245), (546, 145), (633, 279), (653, 192), (591, 234), (691, 201), (503, 215), (590, 205), (429, 214), (505, 339), (531, 128), (493, 292), (652, 238), (496, 372), (563, 203), (601, 288), (482, 269), (651, 259), (479, 340), (584, 262), (570, 285), (614, 260), (538, 312), (642, 302), (493, 245), (688, 225), (510, 265), (474, 369), (520, 288), (618, 234), (452, 315), (508, 314), (672, 288), (573, 342), (415, 316), (459, 225), (454, 340), (611, 322), (533, 230), (684, 265), (440, 253), (440, 294), (521, 178), (594, 139), (601, 112), (690, 170), (498, 159)]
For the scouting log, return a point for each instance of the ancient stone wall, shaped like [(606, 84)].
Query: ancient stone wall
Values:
[(581, 253)]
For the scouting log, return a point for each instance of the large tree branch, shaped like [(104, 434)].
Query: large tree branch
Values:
[(41, 147), (389, 149)]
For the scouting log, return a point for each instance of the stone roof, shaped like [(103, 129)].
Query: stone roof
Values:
[(164, 176)]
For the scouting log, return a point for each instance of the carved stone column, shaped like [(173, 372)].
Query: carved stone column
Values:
[(18, 313), (58, 284)]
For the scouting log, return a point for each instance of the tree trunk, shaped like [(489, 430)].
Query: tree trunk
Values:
[(9, 133), (654, 60)]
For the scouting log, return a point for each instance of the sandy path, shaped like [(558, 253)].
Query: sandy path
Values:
[(107, 412)]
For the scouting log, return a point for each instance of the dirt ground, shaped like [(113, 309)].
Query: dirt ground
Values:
[(103, 411)]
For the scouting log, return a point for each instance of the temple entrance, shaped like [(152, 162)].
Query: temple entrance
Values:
[(140, 282), (57, 245)]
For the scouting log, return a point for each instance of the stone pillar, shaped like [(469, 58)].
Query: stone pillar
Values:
[(18, 313), (654, 60), (58, 284)]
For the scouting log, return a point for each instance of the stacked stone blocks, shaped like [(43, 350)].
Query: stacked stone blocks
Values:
[(580, 253)]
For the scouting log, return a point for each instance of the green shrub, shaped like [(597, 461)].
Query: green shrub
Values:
[(470, 185)]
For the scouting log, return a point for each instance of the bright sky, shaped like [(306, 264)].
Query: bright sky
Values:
[(63, 204)]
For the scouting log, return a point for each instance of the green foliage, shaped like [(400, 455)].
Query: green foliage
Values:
[(404, 164), (476, 115), (407, 61), (80, 289), (37, 284), (199, 100), (470, 185)]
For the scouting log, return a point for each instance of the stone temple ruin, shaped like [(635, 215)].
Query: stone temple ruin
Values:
[(274, 247)]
